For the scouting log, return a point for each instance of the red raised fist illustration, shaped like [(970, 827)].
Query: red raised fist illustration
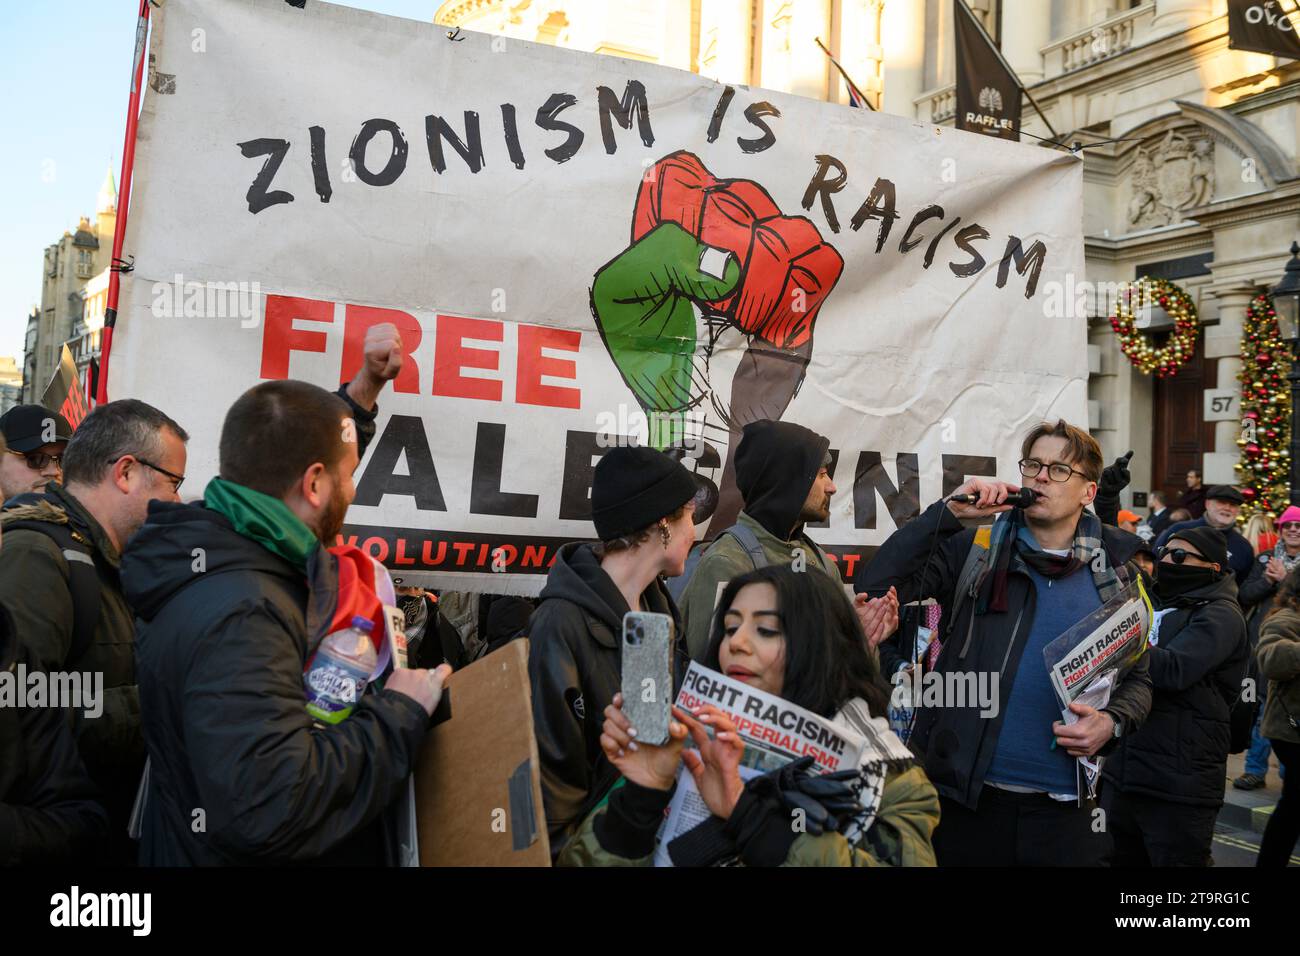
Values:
[(786, 269)]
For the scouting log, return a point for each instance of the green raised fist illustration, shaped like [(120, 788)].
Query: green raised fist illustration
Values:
[(645, 303)]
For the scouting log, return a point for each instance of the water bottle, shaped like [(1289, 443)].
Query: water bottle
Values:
[(338, 673)]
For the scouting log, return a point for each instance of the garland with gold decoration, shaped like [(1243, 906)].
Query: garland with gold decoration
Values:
[(1181, 344), (1265, 466)]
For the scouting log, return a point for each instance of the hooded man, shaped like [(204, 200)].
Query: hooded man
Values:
[(1164, 783), (782, 473)]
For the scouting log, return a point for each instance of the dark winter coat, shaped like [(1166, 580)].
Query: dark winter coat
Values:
[(1279, 664), (239, 774), (1181, 753), (50, 811), (35, 588), (575, 669), (957, 744)]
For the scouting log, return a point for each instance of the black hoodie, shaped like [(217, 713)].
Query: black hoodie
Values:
[(776, 465), (574, 666), (221, 642), (1180, 753)]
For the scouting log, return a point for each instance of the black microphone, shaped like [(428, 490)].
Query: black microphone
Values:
[(1017, 499)]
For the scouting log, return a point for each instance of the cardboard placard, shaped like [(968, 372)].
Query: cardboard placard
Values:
[(478, 785)]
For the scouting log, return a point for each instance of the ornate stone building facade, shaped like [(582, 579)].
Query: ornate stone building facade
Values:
[(76, 259), (1190, 151)]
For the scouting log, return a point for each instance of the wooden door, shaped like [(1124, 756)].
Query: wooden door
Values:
[(1178, 435)]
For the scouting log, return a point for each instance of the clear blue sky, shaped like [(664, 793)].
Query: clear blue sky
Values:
[(66, 67)]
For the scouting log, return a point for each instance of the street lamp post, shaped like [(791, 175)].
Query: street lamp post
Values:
[(1286, 305)]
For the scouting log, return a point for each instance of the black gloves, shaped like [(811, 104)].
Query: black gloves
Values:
[(825, 799), (1115, 478), (767, 818)]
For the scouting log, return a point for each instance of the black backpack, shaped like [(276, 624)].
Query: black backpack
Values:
[(1242, 713), (74, 542)]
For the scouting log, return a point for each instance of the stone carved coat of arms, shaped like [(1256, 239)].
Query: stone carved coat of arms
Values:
[(1168, 177)]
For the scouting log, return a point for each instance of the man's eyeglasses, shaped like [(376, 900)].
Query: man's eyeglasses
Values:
[(37, 460), (1057, 471), (177, 480), (1290, 526), (1179, 555)]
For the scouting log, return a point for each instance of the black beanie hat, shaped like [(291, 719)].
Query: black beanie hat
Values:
[(633, 487), (1211, 543)]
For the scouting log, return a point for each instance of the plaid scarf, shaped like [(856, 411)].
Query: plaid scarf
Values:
[(1006, 543), (1288, 561)]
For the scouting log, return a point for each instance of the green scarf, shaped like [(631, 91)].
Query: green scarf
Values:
[(263, 519)]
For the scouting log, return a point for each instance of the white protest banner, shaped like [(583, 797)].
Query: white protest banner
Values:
[(579, 248)]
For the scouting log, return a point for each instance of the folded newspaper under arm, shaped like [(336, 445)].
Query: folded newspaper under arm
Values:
[(1085, 662), (1110, 638)]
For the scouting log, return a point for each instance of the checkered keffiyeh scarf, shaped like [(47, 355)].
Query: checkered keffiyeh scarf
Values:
[(882, 753), (1005, 543)]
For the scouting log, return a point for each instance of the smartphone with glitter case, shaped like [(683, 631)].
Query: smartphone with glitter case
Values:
[(647, 680)]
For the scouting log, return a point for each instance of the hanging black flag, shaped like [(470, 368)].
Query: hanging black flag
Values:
[(988, 93), (64, 394), (1264, 27)]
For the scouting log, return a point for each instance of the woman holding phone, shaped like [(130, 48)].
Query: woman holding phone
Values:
[(795, 636), (642, 504)]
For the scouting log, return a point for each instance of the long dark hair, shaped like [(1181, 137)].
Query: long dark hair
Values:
[(827, 663)]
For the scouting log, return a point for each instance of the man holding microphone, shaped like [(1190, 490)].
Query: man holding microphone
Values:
[(1009, 781)]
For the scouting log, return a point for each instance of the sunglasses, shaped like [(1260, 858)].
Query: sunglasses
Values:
[(1179, 555), (37, 460), (1290, 526)]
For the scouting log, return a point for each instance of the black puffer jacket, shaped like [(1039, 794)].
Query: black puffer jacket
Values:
[(239, 774), (49, 809), (957, 744), (575, 669), (1181, 753)]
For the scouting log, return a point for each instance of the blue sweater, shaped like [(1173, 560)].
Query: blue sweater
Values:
[(1024, 756)]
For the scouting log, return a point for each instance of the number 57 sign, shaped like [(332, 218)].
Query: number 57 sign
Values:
[(1222, 404)]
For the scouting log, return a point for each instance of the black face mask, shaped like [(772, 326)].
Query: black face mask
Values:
[(1175, 579)]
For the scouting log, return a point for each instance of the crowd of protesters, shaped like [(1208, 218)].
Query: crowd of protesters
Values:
[(200, 615)]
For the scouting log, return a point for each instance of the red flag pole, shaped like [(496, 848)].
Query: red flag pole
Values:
[(123, 199)]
